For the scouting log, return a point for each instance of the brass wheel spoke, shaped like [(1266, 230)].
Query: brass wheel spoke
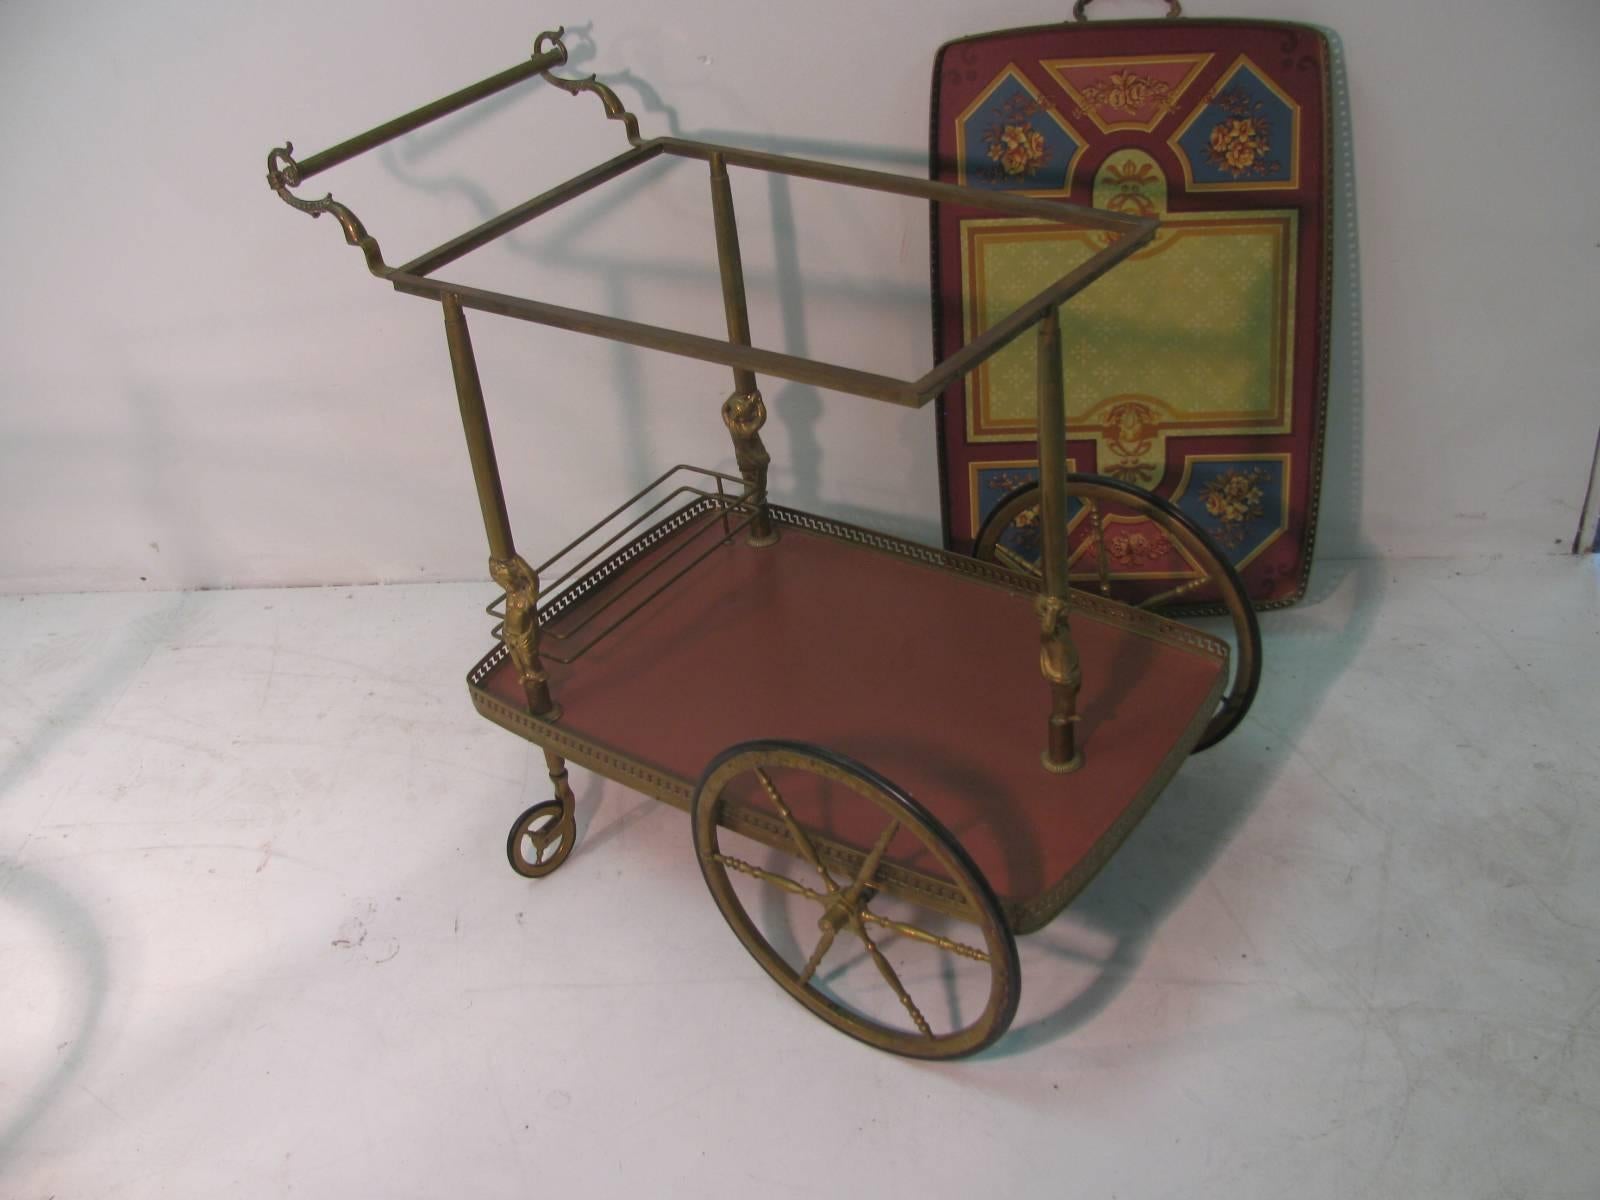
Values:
[(779, 881), (793, 887), (815, 961), (918, 934), (802, 842), (1100, 547), (1174, 593), (545, 834), (889, 976), (914, 932), (1010, 558), (869, 866)]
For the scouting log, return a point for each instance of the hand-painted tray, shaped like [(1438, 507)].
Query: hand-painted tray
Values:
[(1199, 368)]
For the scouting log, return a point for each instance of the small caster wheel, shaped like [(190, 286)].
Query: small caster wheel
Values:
[(541, 839)]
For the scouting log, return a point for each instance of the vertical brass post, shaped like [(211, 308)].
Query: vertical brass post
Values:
[(516, 578), (744, 412), (1058, 657), (475, 421)]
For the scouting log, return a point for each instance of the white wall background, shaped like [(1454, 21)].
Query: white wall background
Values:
[(199, 387)]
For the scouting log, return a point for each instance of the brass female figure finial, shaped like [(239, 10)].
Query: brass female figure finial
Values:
[(520, 583), (1058, 663), (744, 413)]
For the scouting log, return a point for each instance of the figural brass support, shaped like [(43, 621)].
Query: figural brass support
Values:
[(521, 632), (744, 412), (1058, 657), (509, 569)]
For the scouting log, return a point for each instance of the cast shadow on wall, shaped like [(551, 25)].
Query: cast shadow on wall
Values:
[(553, 242)]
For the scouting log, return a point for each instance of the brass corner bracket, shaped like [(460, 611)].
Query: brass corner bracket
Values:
[(615, 111), (283, 173)]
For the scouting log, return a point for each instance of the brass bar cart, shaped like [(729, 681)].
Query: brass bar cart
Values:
[(926, 753)]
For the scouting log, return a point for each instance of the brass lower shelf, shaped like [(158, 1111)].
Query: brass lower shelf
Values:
[(802, 639)]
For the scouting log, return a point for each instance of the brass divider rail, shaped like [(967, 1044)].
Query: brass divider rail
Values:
[(712, 518)]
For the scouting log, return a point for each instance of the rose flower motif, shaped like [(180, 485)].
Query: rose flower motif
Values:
[(1019, 149), (1234, 497), (1127, 91), (1239, 143)]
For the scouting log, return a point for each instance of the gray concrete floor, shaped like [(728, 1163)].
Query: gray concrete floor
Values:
[(257, 934)]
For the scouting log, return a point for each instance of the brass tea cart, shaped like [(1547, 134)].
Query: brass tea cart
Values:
[(793, 682)]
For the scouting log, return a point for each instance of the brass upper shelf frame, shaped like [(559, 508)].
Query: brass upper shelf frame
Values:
[(1129, 234)]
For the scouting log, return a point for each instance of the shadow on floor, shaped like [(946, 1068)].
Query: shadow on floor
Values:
[(70, 925)]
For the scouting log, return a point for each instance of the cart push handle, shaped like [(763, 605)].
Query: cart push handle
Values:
[(284, 172), (542, 60)]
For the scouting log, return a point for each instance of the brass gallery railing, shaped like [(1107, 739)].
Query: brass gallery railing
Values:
[(744, 412), (702, 511)]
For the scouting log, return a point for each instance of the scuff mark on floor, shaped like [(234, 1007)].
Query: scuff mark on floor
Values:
[(353, 932)]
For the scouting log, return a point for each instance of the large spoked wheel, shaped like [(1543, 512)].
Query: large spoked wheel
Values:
[(1114, 549), (880, 846)]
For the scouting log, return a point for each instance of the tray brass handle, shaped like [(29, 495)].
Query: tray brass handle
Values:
[(1080, 10)]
